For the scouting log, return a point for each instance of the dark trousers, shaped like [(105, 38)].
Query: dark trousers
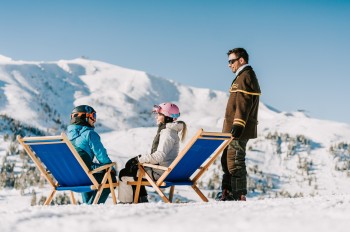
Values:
[(133, 173), (89, 197), (233, 164)]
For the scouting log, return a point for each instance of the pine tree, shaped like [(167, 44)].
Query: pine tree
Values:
[(33, 201)]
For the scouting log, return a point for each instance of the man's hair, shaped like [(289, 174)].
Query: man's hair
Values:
[(239, 52)]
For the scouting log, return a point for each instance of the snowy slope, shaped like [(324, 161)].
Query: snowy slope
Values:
[(321, 214)]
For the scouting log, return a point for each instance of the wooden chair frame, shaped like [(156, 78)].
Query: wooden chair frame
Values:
[(26, 142), (142, 174)]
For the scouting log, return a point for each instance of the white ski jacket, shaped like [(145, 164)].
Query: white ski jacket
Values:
[(168, 148)]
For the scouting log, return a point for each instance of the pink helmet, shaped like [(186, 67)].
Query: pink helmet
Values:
[(168, 109)]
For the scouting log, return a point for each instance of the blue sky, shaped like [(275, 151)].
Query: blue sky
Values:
[(299, 49)]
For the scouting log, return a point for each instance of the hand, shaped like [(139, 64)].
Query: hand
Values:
[(237, 131), (114, 171)]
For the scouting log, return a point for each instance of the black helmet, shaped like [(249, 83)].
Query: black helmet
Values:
[(81, 114), (83, 109)]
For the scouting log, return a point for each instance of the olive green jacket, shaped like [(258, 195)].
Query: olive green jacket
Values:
[(243, 104)]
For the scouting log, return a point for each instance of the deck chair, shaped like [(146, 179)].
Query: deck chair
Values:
[(191, 163), (64, 169)]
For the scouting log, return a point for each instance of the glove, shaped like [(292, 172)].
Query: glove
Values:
[(237, 131), (114, 171), (132, 163)]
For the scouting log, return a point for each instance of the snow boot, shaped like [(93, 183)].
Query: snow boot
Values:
[(225, 195), (143, 199)]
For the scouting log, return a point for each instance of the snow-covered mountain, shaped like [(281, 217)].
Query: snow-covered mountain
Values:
[(294, 154), (44, 93)]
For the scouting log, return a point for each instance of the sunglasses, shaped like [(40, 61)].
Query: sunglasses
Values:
[(233, 60)]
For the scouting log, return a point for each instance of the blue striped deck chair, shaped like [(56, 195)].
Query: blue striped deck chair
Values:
[(190, 164), (64, 169)]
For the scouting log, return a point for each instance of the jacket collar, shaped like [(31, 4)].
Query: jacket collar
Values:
[(75, 131), (242, 68), (174, 126)]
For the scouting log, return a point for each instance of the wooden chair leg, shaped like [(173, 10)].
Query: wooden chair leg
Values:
[(158, 190), (138, 186), (98, 194), (200, 194), (100, 187), (112, 189), (171, 193), (74, 202), (50, 197)]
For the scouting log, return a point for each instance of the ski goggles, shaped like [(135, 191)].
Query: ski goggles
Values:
[(92, 116)]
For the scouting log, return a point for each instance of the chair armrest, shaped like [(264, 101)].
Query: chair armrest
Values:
[(102, 167), (155, 166)]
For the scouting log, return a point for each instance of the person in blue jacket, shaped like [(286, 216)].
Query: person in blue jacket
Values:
[(88, 144)]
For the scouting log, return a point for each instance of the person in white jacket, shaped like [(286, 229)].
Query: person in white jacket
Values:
[(165, 148)]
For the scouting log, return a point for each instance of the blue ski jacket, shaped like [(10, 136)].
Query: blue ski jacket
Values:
[(88, 144)]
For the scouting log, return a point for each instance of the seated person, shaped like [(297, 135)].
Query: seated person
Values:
[(88, 144), (165, 148)]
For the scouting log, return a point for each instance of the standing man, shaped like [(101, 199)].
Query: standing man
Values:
[(241, 121)]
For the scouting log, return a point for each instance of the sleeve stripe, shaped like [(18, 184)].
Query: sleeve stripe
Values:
[(246, 92), (242, 124), (239, 121)]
